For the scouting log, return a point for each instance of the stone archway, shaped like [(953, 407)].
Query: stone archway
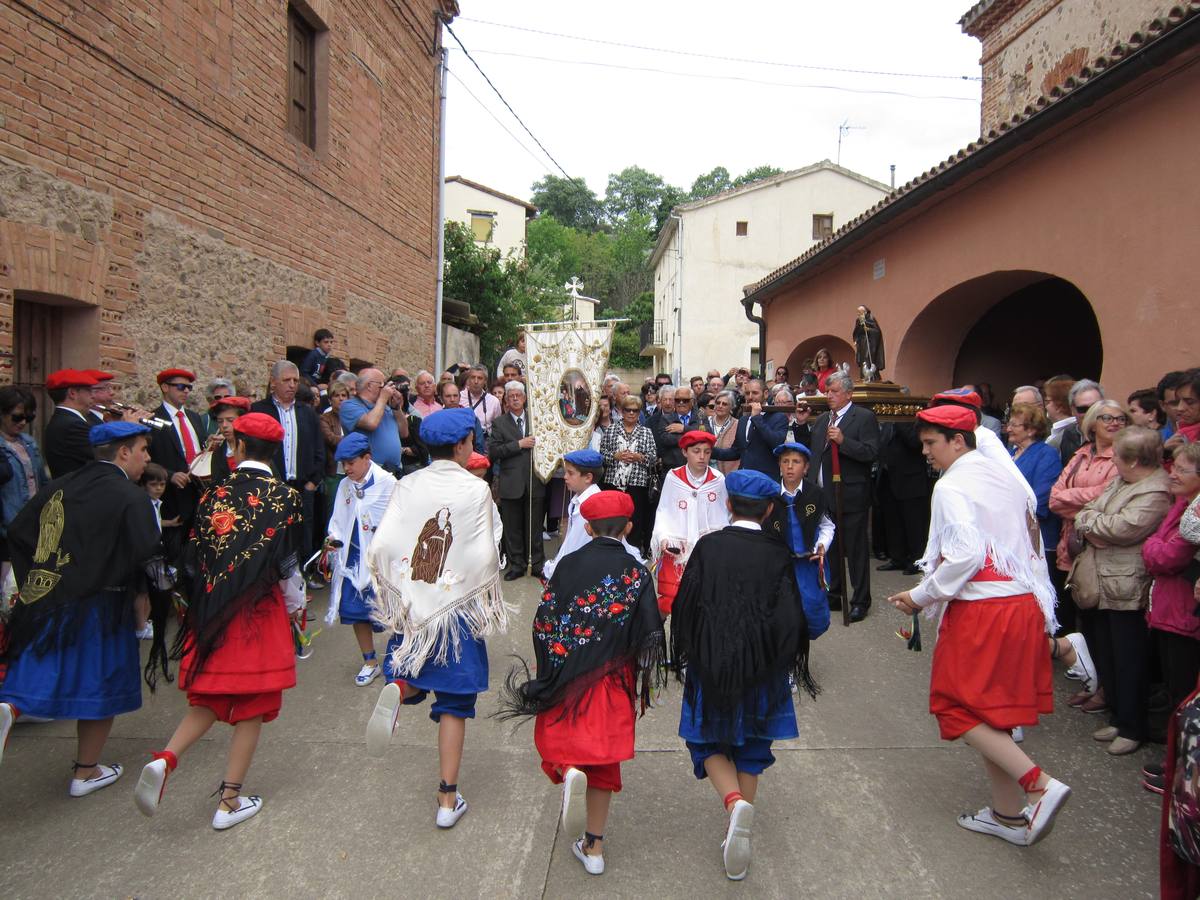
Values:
[(1006, 328), (841, 350)]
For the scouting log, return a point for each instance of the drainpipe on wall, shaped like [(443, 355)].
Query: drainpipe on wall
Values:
[(439, 344), (747, 305), (678, 371)]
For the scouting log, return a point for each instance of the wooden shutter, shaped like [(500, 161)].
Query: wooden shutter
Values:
[(300, 78)]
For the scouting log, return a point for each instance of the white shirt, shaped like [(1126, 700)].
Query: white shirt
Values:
[(748, 524), (825, 528), (287, 418), (180, 424)]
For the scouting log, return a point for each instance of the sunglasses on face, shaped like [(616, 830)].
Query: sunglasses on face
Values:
[(179, 386), (21, 418), (632, 409), (1082, 410), (684, 400)]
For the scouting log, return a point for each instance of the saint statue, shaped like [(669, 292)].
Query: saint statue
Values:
[(433, 545), (868, 346)]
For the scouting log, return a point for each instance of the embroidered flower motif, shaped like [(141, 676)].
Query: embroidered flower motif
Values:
[(712, 496), (253, 500), (270, 532), (222, 492), (616, 608), (683, 504), (559, 650), (223, 521), (208, 588)]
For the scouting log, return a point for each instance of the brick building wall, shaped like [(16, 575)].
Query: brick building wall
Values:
[(1030, 46), (156, 211)]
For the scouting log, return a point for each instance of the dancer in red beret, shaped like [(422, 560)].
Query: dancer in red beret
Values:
[(597, 643), (986, 576), (235, 640), (691, 505)]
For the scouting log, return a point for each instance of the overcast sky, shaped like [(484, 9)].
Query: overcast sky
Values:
[(695, 113)]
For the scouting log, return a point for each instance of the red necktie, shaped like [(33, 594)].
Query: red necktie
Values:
[(189, 448)]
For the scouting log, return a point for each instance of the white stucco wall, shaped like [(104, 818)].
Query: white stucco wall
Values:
[(716, 263), (508, 235)]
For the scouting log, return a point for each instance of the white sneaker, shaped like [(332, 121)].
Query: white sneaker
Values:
[(151, 784), (6, 724), (368, 673), (574, 803), (448, 817), (383, 719), (1084, 667), (1041, 818), (81, 787), (247, 808), (593, 864), (985, 823), (736, 845), (1018, 735), (146, 632), (27, 719)]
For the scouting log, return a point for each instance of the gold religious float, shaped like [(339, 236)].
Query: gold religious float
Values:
[(889, 401)]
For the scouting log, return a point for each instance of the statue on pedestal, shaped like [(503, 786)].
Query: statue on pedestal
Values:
[(868, 346)]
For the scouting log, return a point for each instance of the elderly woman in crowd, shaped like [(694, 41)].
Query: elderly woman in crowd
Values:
[(332, 433), (1028, 428), (629, 454), (1174, 626), (425, 402), (724, 426), (19, 454), (1114, 527), (1083, 480)]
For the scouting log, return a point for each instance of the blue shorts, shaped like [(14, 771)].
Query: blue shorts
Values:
[(461, 706), (752, 757)]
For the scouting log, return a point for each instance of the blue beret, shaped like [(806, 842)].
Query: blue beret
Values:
[(748, 483), (115, 431), (447, 426), (352, 446), (794, 446), (584, 459)]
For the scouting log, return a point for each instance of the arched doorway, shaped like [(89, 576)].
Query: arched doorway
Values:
[(841, 350), (1005, 328)]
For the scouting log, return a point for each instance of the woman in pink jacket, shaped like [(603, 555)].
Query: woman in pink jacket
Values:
[(1171, 616), (1082, 481)]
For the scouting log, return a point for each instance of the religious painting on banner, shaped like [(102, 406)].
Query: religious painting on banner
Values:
[(565, 371)]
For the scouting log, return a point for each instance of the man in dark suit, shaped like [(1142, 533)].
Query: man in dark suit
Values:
[(903, 496), (856, 432), (758, 433), (65, 443), (300, 459), (522, 494), (174, 448), (670, 426)]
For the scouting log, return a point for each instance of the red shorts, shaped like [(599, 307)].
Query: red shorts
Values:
[(991, 665), (234, 708), (606, 777)]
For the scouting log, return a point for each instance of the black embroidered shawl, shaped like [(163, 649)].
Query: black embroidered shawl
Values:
[(80, 543), (738, 621), (244, 540), (598, 616)]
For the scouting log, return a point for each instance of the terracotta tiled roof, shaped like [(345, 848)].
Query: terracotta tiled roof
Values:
[(1136, 44), (530, 209), (984, 15)]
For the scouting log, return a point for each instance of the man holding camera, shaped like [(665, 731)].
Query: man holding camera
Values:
[(377, 412)]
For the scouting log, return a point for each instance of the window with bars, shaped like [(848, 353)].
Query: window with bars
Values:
[(301, 83), (822, 226)]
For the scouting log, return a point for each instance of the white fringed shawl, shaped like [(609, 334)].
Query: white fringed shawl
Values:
[(467, 585), (686, 513), (979, 514), (350, 513)]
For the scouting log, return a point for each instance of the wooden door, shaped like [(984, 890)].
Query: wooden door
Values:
[(37, 351)]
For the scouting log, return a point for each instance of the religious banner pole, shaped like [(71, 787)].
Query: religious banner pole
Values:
[(840, 535)]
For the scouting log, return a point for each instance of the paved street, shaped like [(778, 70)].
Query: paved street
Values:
[(862, 805)]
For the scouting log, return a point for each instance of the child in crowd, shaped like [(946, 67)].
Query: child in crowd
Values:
[(597, 641), (738, 633), (691, 505), (154, 481), (582, 470), (358, 508), (800, 521)]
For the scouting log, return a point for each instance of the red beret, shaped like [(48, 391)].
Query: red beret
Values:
[(259, 425), (696, 437), (167, 374), (242, 403), (478, 461), (955, 417), (960, 395), (607, 505), (99, 375), (69, 378)]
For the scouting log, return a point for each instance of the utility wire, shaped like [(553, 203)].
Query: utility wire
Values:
[(715, 77), (506, 103), (737, 59), (483, 106)]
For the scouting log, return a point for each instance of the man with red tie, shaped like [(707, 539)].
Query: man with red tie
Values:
[(175, 448)]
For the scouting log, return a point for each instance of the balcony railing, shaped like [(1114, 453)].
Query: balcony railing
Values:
[(653, 336)]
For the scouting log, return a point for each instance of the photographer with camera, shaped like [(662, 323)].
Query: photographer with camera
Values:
[(377, 412)]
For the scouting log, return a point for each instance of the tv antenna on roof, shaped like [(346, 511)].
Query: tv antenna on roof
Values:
[(843, 130)]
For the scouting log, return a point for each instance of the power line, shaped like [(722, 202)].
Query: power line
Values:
[(506, 103), (715, 77), (712, 56), (483, 106)]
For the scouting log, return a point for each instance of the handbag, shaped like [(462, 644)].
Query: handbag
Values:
[(1075, 543), (1083, 581)]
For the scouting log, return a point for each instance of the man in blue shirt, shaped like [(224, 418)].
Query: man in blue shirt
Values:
[(371, 413)]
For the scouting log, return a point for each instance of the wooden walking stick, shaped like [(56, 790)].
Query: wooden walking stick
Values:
[(840, 536)]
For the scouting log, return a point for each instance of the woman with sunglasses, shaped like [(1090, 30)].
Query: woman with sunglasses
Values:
[(630, 454), (19, 453)]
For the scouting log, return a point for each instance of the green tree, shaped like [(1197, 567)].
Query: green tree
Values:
[(635, 192), (569, 200), (757, 174), (710, 183), (627, 337)]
